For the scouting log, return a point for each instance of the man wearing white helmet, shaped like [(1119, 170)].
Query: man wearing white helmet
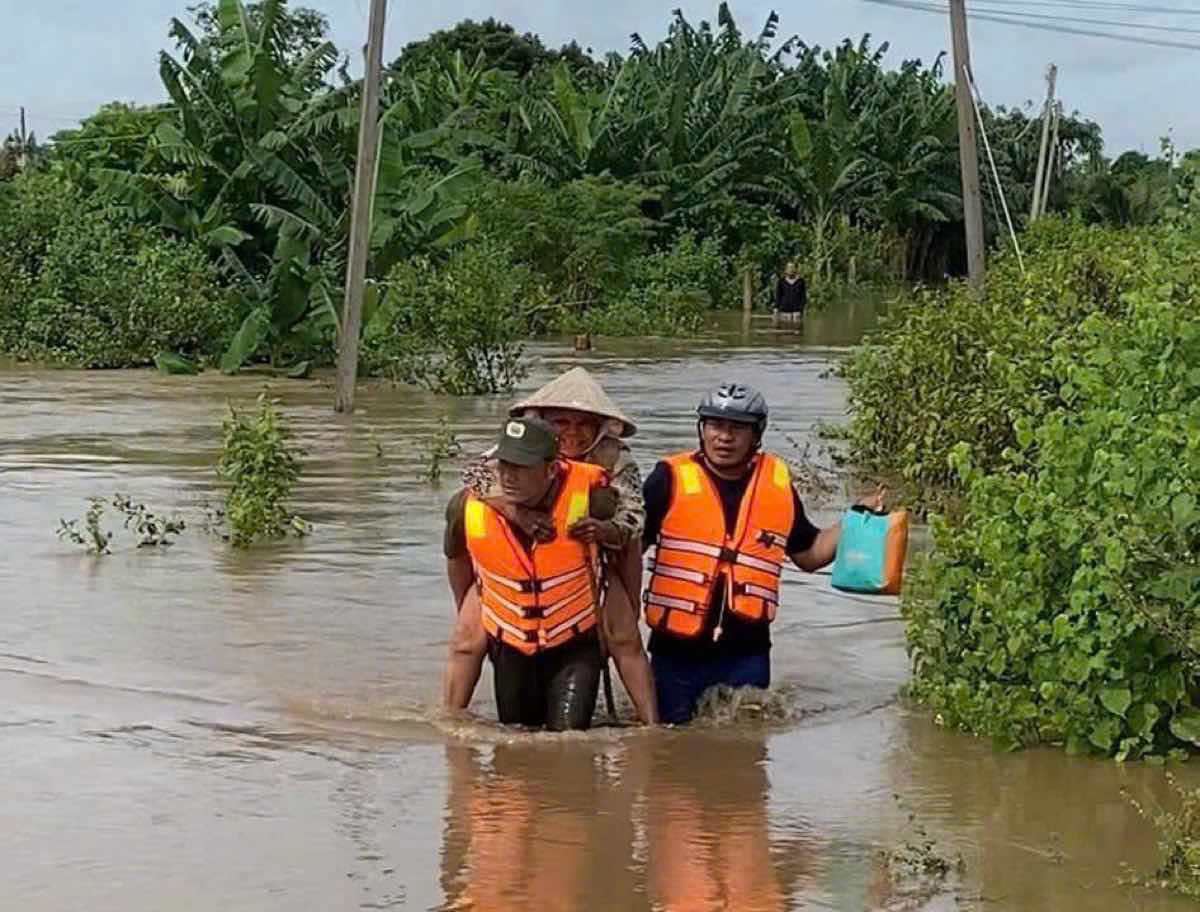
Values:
[(722, 521)]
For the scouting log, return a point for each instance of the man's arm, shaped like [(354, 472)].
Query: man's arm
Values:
[(468, 640), (656, 496), (811, 548), (460, 572), (822, 550)]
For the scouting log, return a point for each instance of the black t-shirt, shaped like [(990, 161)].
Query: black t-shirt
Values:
[(791, 297), (738, 637)]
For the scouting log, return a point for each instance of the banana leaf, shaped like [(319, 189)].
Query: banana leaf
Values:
[(249, 337), (171, 363)]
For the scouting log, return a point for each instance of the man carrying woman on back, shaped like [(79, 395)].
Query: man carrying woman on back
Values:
[(582, 505)]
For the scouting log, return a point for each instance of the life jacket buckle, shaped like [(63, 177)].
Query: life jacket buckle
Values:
[(728, 556)]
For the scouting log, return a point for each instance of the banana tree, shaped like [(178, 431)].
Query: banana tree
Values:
[(824, 169), (716, 107), (266, 148), (911, 142)]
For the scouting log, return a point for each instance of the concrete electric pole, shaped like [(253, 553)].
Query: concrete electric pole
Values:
[(360, 216)]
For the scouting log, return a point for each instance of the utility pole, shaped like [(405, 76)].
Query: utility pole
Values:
[(1051, 157), (1035, 204), (360, 215), (23, 149), (967, 152)]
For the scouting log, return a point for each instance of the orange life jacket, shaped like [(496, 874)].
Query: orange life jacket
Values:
[(694, 553), (537, 599)]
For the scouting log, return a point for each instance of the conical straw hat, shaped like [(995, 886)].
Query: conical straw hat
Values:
[(576, 389)]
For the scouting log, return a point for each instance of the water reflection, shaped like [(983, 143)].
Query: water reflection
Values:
[(676, 822), (709, 838), (539, 824)]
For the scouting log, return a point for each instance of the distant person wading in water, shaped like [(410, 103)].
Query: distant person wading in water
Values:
[(791, 296)]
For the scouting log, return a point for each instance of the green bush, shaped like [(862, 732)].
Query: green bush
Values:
[(455, 327), (581, 237), (261, 466), (32, 207), (1063, 604), (946, 367), (81, 287), (670, 292), (113, 295)]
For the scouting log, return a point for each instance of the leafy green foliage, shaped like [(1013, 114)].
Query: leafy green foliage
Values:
[(79, 286), (581, 236), (31, 209), (981, 365), (499, 44), (261, 465), (455, 327), (118, 137), (765, 146), (669, 292), (113, 295), (150, 530), (1062, 602)]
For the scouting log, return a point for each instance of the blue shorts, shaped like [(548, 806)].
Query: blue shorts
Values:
[(679, 682)]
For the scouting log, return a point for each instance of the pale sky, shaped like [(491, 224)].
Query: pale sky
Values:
[(61, 59)]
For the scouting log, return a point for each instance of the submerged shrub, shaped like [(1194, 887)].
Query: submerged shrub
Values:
[(261, 466), (671, 292), (1178, 838), (84, 287), (455, 327)]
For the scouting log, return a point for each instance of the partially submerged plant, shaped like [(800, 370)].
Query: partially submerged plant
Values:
[(442, 445), (810, 475), (916, 869), (1178, 835), (151, 529), (261, 465), (92, 538)]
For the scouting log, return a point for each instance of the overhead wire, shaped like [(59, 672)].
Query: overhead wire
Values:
[(1109, 22), (977, 104), (1042, 26), (1100, 5)]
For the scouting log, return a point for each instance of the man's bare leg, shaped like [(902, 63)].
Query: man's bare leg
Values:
[(468, 647)]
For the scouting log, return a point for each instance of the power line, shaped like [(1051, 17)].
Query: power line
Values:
[(1132, 25), (1042, 26), (1105, 6)]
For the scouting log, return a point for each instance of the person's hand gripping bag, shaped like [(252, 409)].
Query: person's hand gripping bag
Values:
[(870, 553)]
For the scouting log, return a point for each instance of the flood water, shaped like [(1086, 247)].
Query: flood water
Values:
[(194, 728)]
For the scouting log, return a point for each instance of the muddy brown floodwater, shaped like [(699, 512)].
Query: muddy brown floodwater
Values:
[(194, 728)]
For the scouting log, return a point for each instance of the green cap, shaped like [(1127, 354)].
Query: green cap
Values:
[(526, 442)]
